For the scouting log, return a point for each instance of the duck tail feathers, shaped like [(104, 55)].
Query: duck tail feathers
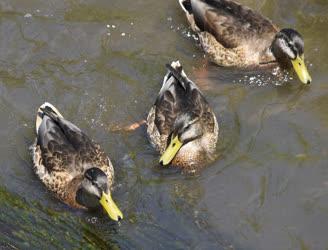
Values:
[(46, 109), (175, 69)]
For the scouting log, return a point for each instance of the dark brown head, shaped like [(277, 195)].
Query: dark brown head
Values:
[(186, 128), (94, 192), (288, 49)]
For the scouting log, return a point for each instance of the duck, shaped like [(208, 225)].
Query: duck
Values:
[(71, 165), (233, 35), (181, 125)]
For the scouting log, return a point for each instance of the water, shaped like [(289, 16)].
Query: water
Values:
[(101, 63)]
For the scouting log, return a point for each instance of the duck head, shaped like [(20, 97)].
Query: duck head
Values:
[(186, 128), (288, 49), (94, 191)]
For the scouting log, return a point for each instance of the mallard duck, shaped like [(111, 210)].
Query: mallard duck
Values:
[(234, 35), (181, 125), (71, 165)]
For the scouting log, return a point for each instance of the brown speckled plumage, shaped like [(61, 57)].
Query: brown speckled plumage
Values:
[(61, 155), (231, 34), (172, 102)]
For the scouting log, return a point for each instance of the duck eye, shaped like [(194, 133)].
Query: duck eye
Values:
[(88, 177)]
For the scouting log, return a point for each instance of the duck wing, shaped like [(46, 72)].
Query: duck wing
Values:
[(231, 24), (64, 146), (178, 95)]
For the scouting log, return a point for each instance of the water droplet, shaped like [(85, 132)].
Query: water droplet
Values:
[(93, 220)]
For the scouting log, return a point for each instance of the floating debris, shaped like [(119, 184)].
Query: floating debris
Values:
[(27, 15), (301, 156)]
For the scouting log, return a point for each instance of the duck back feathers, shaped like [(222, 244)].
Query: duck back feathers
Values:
[(230, 33), (231, 23), (178, 95)]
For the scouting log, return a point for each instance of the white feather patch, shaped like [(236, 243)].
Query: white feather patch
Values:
[(39, 117)]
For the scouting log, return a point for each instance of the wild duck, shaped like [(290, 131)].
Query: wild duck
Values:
[(71, 165), (234, 35), (181, 125)]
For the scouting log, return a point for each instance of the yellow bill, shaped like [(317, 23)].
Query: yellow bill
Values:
[(301, 70), (170, 151), (109, 205)]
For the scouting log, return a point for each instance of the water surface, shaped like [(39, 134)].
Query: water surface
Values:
[(101, 63)]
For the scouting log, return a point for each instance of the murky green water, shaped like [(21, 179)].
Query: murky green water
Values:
[(268, 190)]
